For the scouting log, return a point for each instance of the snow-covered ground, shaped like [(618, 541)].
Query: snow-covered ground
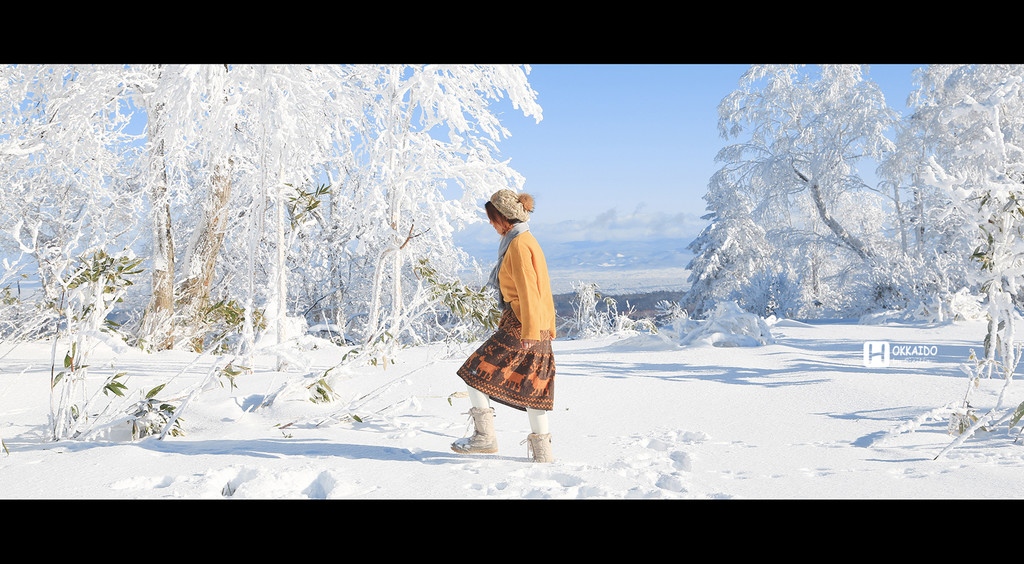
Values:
[(635, 417)]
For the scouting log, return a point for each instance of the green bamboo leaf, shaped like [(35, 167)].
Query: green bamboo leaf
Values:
[(115, 388), (1017, 414), (155, 391)]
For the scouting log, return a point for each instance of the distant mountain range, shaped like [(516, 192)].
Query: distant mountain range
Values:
[(616, 266), (665, 253)]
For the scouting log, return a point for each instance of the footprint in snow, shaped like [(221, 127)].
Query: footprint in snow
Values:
[(666, 456), (303, 483), (654, 465)]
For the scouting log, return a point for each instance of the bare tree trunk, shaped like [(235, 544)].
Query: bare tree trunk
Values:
[(396, 271), (280, 270), (846, 237), (201, 259), (899, 218), (919, 212), (159, 326)]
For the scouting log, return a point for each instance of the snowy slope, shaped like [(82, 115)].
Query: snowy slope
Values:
[(635, 417)]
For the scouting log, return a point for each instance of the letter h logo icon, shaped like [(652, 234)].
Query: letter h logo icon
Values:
[(876, 353)]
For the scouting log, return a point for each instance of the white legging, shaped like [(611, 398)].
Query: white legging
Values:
[(538, 417)]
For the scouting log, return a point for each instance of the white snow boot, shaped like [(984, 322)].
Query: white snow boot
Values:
[(540, 447), (483, 440)]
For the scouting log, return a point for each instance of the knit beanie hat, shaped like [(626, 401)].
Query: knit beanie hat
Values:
[(513, 205)]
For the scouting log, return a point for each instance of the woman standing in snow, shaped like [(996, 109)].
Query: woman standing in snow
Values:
[(515, 366)]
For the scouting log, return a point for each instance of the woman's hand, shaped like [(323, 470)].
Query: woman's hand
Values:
[(528, 344)]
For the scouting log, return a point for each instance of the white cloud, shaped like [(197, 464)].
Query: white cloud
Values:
[(639, 225)]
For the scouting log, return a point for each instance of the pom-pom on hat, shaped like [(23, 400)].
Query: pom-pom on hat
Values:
[(513, 205)]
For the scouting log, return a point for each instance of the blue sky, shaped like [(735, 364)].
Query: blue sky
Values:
[(626, 151)]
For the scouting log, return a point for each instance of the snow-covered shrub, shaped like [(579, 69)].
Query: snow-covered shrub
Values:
[(92, 289), (222, 325), (151, 417), (728, 325), (587, 321), (22, 317), (623, 323), (590, 321), (769, 293), (469, 312), (893, 284), (962, 305), (669, 312)]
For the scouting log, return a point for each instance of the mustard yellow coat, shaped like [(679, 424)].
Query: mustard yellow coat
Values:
[(526, 287)]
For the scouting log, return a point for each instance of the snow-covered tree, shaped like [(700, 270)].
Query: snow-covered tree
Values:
[(933, 259), (730, 250), (973, 119), (807, 135), (253, 195), (429, 133), (794, 180), (66, 158), (227, 166), (68, 194)]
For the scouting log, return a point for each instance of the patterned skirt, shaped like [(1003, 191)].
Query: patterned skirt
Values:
[(510, 375)]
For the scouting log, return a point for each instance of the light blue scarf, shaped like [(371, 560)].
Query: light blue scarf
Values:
[(492, 282)]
